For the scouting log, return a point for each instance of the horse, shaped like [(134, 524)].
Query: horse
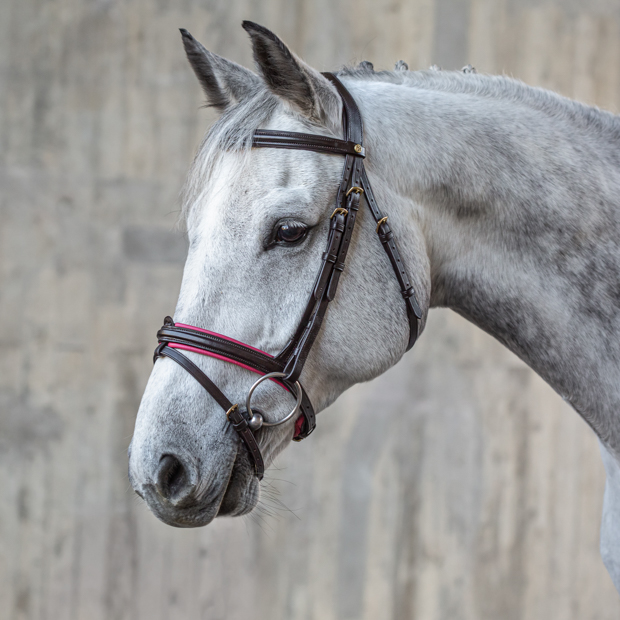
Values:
[(506, 200)]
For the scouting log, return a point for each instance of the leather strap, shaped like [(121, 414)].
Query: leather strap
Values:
[(306, 142), (239, 353), (220, 346), (236, 417), (296, 352), (354, 175), (187, 364), (240, 424), (386, 236)]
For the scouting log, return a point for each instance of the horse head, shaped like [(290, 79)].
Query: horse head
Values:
[(257, 220)]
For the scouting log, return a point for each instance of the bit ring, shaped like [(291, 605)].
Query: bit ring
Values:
[(256, 419)]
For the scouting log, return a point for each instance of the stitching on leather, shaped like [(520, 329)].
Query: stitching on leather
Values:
[(232, 356), (222, 340), (309, 146)]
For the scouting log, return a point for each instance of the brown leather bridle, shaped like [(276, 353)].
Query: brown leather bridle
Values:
[(286, 367)]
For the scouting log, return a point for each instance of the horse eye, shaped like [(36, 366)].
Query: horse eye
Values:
[(291, 232)]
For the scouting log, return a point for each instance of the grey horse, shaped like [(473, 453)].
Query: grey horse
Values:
[(506, 200)]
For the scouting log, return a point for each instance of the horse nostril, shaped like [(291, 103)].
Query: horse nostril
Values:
[(171, 480)]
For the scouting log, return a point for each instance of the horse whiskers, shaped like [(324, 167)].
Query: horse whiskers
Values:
[(254, 518), (276, 504), (259, 518), (268, 480)]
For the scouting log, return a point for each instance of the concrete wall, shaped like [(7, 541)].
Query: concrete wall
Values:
[(456, 487)]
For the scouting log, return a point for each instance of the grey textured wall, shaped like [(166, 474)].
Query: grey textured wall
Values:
[(455, 487)]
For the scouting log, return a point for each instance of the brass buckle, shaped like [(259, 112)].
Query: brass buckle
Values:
[(383, 220), (233, 408), (339, 210), (356, 189)]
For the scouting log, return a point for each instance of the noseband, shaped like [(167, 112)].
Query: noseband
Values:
[(285, 368)]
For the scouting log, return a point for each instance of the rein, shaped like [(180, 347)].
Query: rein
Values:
[(285, 368)]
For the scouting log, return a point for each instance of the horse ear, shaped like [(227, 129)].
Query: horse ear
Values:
[(223, 81), (291, 79)]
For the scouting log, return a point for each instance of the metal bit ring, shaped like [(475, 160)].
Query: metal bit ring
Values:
[(256, 419)]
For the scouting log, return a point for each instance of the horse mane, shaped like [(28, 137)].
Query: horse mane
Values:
[(494, 87), (234, 129)]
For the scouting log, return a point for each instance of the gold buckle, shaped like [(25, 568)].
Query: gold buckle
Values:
[(233, 408), (383, 220), (356, 189), (358, 148), (339, 210)]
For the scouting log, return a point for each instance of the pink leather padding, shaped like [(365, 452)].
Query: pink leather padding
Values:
[(206, 331), (185, 347), (299, 424), (300, 420)]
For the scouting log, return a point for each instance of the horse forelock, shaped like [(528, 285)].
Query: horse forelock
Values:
[(231, 132)]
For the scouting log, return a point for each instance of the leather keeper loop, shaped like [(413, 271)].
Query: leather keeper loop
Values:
[(408, 293), (353, 202), (329, 258), (337, 223), (386, 237), (240, 425)]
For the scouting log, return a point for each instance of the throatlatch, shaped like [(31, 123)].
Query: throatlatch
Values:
[(285, 368)]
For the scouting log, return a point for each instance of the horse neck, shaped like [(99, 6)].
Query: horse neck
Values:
[(518, 202)]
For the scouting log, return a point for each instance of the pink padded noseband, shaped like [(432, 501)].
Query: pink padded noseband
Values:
[(175, 345)]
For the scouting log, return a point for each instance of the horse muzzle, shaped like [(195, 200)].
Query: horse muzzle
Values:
[(181, 495)]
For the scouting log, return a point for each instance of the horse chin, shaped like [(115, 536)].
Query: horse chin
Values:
[(189, 515), (242, 492)]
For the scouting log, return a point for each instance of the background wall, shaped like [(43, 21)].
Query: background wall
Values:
[(457, 486)]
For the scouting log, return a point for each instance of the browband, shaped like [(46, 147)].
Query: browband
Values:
[(306, 142), (290, 361)]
